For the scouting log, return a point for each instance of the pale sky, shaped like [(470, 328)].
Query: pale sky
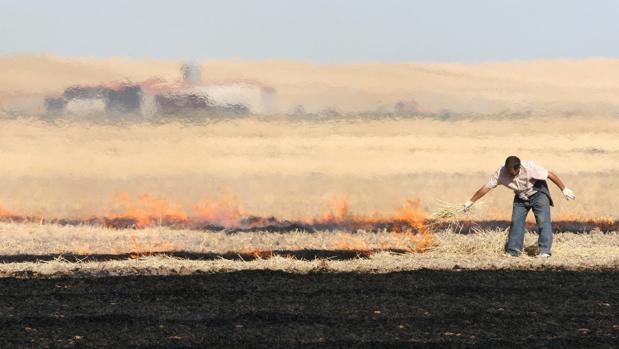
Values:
[(321, 31)]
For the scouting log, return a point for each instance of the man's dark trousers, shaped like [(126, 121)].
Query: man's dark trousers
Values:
[(540, 204)]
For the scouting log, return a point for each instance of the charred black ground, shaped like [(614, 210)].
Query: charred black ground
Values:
[(425, 308)]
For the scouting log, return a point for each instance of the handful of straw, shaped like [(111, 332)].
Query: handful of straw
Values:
[(451, 211)]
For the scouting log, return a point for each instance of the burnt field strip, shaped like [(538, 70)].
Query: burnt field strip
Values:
[(425, 308), (303, 254), (272, 224)]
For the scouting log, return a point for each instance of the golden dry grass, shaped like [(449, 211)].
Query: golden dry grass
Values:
[(264, 147), (292, 169), (481, 250), (454, 211)]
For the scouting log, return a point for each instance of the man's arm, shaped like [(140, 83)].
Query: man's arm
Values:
[(479, 193), (492, 183), (568, 193), (556, 180)]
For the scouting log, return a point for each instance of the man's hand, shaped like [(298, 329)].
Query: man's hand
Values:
[(569, 194), (467, 206)]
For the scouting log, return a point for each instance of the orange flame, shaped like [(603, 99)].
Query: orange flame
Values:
[(4, 212), (412, 212), (225, 210), (338, 211), (148, 209)]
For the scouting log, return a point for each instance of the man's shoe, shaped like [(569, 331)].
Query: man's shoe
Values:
[(509, 254), (543, 255)]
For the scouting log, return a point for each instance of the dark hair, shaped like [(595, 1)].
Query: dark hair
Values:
[(512, 162)]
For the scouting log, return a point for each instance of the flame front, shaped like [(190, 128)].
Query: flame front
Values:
[(225, 210), (408, 227), (148, 209), (338, 211)]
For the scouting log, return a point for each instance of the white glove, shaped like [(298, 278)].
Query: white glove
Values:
[(467, 205), (569, 194)]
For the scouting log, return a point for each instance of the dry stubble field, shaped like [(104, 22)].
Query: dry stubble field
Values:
[(92, 286)]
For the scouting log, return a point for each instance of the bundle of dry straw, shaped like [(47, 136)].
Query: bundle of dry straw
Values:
[(450, 211), (454, 215)]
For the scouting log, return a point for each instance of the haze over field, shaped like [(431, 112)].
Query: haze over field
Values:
[(517, 88)]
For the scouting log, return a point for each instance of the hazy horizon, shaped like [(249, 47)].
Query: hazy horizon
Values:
[(542, 87)]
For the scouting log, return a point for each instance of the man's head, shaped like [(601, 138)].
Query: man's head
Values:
[(512, 165)]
